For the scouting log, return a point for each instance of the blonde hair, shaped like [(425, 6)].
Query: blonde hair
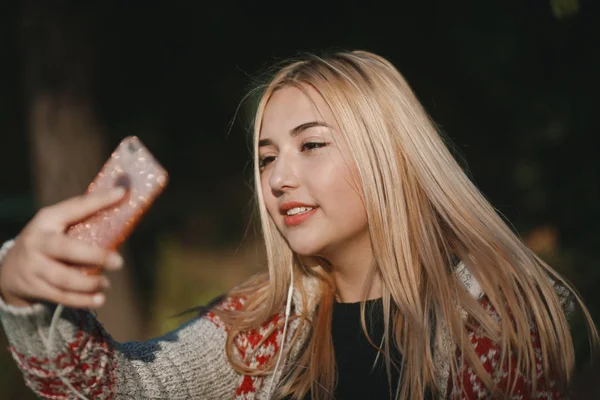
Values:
[(423, 213)]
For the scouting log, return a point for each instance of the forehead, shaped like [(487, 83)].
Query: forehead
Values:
[(291, 106)]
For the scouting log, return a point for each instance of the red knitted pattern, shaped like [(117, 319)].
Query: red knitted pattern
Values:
[(89, 364), (248, 349), (489, 355), (86, 362)]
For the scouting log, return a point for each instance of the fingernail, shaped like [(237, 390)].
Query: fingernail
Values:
[(98, 299), (117, 192), (115, 261), (105, 283)]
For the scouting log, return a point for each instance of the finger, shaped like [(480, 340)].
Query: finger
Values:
[(61, 215), (69, 279), (75, 251), (71, 299)]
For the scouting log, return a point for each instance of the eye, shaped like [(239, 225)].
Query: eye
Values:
[(264, 161), (308, 146)]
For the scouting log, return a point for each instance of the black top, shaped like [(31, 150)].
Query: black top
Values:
[(354, 355)]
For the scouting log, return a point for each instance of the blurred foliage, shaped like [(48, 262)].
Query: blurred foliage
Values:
[(564, 8), (511, 84), (194, 276)]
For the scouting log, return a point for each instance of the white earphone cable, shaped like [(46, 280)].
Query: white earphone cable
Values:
[(48, 345), (47, 341), (288, 307)]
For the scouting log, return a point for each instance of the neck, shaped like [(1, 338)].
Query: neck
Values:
[(351, 269), (350, 289)]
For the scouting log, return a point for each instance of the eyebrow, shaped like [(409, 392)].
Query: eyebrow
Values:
[(296, 131)]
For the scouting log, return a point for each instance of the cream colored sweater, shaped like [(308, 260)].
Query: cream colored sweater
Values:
[(187, 363)]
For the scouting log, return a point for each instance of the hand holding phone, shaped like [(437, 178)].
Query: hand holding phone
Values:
[(134, 168), (38, 264)]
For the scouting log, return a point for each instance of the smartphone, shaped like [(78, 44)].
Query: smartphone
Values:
[(133, 167)]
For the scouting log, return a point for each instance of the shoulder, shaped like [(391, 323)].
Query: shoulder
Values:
[(503, 372), (222, 303), (230, 304), (251, 348), (489, 352)]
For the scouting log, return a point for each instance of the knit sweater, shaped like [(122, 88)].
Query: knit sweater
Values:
[(190, 362)]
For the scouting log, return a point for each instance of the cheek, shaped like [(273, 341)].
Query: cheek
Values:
[(349, 191), (340, 190), (341, 178)]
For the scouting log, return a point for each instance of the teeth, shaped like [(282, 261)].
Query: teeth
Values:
[(298, 210)]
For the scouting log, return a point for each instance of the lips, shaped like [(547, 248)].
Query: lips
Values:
[(293, 220), (285, 207), (297, 219)]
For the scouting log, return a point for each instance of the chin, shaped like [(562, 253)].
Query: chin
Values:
[(306, 248)]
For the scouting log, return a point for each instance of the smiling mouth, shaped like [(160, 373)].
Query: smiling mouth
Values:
[(298, 215), (298, 210)]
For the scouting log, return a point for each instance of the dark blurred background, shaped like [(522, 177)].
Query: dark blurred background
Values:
[(513, 84)]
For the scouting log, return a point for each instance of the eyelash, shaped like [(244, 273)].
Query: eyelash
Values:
[(317, 145), (262, 163), (308, 146)]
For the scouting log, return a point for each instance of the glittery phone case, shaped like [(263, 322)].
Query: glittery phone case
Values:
[(132, 166)]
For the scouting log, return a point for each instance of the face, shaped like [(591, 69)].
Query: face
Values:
[(308, 181)]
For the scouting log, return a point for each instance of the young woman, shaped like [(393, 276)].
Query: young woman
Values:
[(389, 274)]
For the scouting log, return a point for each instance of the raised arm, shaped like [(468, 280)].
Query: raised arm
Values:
[(188, 363), (77, 358)]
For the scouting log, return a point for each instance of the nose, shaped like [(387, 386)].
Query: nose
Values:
[(283, 175)]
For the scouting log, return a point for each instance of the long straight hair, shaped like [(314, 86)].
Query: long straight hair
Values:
[(423, 213)]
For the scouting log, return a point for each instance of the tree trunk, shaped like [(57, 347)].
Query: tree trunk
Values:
[(67, 144)]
